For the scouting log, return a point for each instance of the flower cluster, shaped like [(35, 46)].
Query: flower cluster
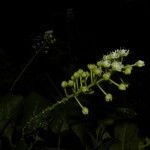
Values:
[(82, 81)]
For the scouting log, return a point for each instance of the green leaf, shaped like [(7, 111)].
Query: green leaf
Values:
[(80, 131), (127, 135), (32, 105), (10, 107)]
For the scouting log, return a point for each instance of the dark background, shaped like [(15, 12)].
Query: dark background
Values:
[(83, 35)]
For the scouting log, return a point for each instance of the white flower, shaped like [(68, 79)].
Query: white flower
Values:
[(117, 66), (106, 63), (123, 52), (114, 55), (106, 57)]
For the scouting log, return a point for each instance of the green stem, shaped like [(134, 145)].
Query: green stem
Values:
[(91, 75), (77, 85), (113, 82), (101, 89), (66, 92), (81, 81), (78, 101)]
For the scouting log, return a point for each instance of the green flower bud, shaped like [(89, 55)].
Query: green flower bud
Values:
[(106, 76), (97, 71), (72, 77), (87, 74), (70, 83), (84, 89), (76, 75), (80, 71), (92, 66), (84, 75), (140, 63), (108, 97), (64, 84), (128, 70), (85, 110), (122, 86), (99, 63)]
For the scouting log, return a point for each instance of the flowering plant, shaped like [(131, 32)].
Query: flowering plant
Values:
[(82, 82)]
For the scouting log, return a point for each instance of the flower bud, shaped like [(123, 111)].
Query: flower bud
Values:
[(64, 84), (97, 71), (99, 63), (80, 71), (128, 70), (92, 66), (85, 110), (84, 89), (140, 63), (122, 86), (106, 76), (108, 97), (76, 75), (70, 83)]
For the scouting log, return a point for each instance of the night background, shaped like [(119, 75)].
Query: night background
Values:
[(83, 35)]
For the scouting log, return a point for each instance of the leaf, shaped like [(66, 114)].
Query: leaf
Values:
[(127, 135), (32, 105), (61, 117), (81, 131), (9, 109)]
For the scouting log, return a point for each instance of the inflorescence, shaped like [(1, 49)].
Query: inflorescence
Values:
[(81, 82)]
